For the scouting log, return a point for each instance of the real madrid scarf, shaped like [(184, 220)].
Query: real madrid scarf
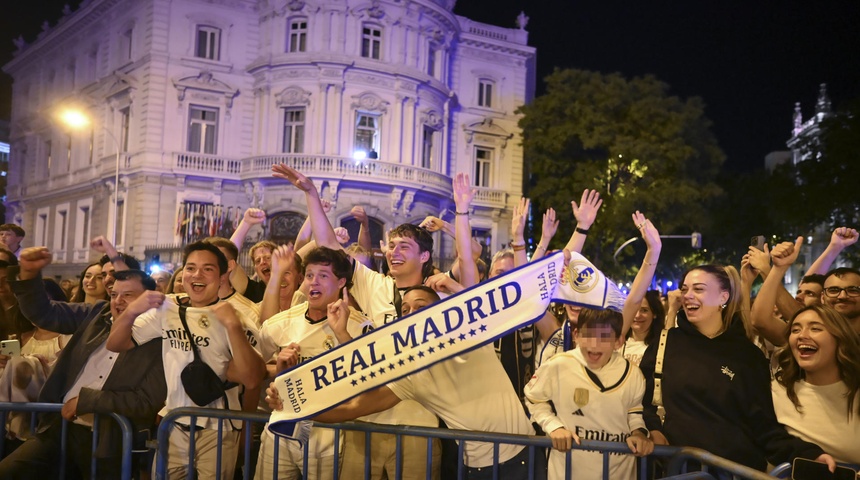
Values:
[(456, 325)]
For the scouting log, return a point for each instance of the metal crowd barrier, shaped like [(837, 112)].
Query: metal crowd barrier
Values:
[(35, 408), (678, 457)]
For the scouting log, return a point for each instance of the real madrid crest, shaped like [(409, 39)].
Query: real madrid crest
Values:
[(203, 321), (580, 397), (582, 276), (328, 343)]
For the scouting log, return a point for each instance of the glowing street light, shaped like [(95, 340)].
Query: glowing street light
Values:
[(78, 120)]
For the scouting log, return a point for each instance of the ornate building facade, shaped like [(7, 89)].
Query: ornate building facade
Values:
[(380, 102)]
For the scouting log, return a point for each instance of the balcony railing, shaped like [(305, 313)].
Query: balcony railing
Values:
[(332, 167), (486, 197), (206, 164)]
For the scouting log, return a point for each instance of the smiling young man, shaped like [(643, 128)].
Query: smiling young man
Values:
[(299, 334), (842, 292), (222, 343)]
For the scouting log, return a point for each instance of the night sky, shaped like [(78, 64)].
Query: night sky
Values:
[(749, 60)]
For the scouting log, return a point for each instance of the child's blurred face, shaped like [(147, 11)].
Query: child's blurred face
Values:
[(597, 344)]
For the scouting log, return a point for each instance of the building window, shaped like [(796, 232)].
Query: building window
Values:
[(427, 148), (485, 93), (483, 162), (294, 130), (125, 44), (82, 227), (60, 235), (431, 61), (298, 36), (208, 43), (371, 42), (202, 129), (42, 227), (367, 134), (125, 118)]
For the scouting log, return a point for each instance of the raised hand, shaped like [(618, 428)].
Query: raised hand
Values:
[(518, 222), (786, 253), (359, 214), (383, 244), (293, 176), (549, 227), (146, 300), (254, 216), (748, 273), (648, 231), (342, 235), (102, 245), (843, 237), (32, 261), (463, 192), (759, 259), (586, 211), (338, 315)]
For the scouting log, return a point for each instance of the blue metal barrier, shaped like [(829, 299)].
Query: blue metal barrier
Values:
[(678, 457), (34, 408)]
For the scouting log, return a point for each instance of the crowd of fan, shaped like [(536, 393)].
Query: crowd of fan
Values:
[(757, 382)]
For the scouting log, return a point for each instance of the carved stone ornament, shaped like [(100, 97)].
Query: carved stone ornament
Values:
[(205, 82), (432, 119), (295, 5), (487, 132), (293, 96), (375, 11), (370, 102)]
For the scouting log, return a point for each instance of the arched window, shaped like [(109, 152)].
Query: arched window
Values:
[(285, 226)]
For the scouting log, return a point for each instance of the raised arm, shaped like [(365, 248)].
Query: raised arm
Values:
[(463, 194), (252, 216), (585, 213), (282, 261), (518, 225), (646, 271), (761, 313), (760, 260), (548, 229), (103, 245), (433, 224), (842, 238), (360, 216), (320, 226)]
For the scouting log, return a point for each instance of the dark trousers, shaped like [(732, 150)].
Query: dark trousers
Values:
[(39, 457), (517, 468)]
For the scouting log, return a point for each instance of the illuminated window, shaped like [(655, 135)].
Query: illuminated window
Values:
[(366, 132)]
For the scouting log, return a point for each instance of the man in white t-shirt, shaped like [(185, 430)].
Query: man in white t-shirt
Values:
[(299, 334), (222, 344)]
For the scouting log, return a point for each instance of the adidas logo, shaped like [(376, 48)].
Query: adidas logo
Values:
[(579, 412)]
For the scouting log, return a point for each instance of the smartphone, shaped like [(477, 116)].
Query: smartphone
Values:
[(10, 347), (757, 242), (804, 469)]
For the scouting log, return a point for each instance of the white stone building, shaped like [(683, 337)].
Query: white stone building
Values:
[(202, 97)]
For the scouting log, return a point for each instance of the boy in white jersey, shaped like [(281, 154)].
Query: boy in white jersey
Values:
[(222, 343), (299, 334), (597, 395)]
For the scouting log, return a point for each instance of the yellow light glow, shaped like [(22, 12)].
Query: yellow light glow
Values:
[(74, 118)]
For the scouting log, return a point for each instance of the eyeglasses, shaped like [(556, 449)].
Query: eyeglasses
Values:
[(834, 292)]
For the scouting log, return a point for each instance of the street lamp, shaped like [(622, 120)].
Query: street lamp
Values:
[(78, 120)]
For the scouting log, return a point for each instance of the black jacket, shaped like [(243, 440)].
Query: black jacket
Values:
[(716, 392)]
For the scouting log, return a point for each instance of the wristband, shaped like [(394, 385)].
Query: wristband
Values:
[(116, 258), (461, 213), (583, 231), (518, 247), (541, 247)]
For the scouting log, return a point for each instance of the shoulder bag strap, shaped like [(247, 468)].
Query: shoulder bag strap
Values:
[(657, 399)]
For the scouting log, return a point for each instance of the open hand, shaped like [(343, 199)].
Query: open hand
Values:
[(293, 176)]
